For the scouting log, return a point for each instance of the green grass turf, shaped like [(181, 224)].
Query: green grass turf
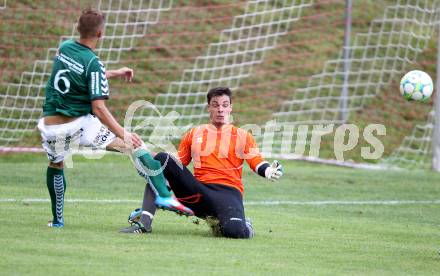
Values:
[(290, 239)]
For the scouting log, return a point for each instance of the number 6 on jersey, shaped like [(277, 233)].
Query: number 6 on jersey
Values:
[(65, 80)]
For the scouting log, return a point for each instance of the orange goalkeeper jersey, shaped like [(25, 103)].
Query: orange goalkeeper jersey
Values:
[(218, 154)]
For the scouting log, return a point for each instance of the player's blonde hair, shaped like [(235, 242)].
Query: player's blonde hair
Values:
[(90, 22)]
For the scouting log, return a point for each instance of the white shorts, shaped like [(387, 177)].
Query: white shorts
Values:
[(86, 131)]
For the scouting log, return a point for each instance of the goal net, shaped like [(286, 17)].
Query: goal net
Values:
[(283, 60)]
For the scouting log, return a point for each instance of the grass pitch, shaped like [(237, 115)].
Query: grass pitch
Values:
[(328, 224)]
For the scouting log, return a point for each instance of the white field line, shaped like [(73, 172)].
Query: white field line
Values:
[(255, 203)]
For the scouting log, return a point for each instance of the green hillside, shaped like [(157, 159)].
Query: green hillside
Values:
[(185, 31)]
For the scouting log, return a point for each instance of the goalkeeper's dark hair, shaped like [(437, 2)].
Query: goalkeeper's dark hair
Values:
[(219, 91), (90, 22)]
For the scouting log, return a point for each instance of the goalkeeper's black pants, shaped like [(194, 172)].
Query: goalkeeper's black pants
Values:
[(207, 200)]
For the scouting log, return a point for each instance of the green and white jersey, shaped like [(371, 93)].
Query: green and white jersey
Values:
[(78, 78)]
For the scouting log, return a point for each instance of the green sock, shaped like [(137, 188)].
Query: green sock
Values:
[(158, 181), (56, 184)]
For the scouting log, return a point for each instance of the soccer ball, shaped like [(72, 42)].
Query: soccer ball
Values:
[(416, 86)]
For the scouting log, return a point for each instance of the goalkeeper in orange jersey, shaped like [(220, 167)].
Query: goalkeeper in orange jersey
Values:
[(75, 114), (215, 191)]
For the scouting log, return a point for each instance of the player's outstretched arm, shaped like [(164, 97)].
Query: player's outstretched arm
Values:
[(258, 164), (101, 111), (124, 72)]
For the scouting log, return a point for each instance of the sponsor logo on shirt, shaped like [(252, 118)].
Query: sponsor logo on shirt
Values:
[(71, 63)]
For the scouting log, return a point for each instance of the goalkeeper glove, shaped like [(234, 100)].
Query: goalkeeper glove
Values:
[(274, 172)]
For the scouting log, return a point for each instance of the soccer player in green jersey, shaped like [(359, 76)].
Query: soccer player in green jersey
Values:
[(75, 114)]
